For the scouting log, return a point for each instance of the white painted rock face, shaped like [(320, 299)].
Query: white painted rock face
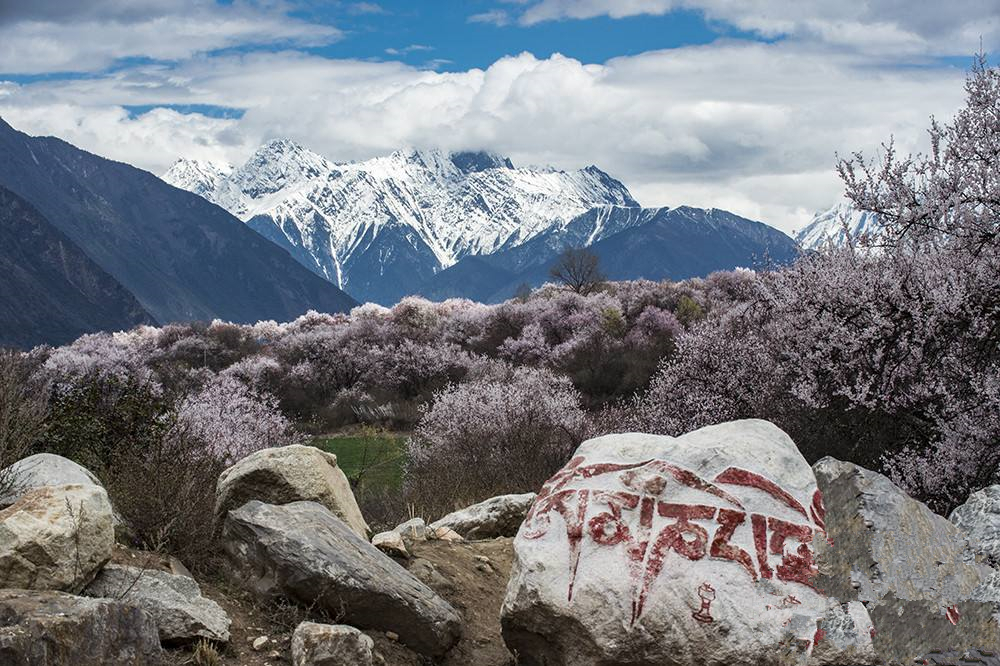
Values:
[(694, 550)]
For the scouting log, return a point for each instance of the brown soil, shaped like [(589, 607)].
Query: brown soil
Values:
[(472, 576)]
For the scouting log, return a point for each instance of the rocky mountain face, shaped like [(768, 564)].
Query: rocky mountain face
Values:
[(379, 227), (631, 242), (465, 224), (181, 257), (53, 292), (836, 225)]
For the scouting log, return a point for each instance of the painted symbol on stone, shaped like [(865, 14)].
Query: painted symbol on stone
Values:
[(952, 614), (631, 511), (707, 594)]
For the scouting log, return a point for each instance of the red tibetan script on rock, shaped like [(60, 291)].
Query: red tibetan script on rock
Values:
[(626, 517)]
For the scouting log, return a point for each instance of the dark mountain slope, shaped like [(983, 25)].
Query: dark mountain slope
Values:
[(50, 291), (650, 243), (182, 257)]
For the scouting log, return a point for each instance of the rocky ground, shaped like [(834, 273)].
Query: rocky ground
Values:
[(723, 546), (472, 576)]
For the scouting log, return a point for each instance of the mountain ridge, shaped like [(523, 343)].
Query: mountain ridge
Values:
[(409, 214), (182, 257)]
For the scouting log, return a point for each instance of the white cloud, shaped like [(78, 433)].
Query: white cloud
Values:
[(877, 26), (412, 48), (61, 36), (496, 17), (746, 126)]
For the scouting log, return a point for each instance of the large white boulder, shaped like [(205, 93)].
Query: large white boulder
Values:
[(694, 550), (44, 469), (55, 538), (287, 474), (496, 517)]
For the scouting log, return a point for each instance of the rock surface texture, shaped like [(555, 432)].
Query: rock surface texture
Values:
[(58, 629), (45, 469), (496, 517), (290, 474), (694, 550), (390, 543), (979, 519), (55, 538), (175, 603), (303, 552), (330, 645), (908, 565)]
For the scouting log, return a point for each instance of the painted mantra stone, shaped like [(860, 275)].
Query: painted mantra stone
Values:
[(711, 532)]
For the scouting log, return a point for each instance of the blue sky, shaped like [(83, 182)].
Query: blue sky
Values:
[(446, 38), (737, 105)]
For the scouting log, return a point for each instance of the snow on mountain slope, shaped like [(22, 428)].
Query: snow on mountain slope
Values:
[(828, 226), (198, 176), (374, 227)]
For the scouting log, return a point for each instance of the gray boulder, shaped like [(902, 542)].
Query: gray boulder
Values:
[(44, 469), (181, 614), (55, 538), (330, 645), (303, 552), (58, 629), (907, 565), (289, 474), (496, 517), (979, 519)]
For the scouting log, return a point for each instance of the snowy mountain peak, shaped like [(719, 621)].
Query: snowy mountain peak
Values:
[(838, 224), (355, 223), (198, 176), (475, 161)]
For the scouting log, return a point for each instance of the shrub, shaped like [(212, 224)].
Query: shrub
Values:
[(506, 430), (23, 410)]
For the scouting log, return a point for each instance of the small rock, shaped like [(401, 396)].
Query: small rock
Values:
[(429, 575), (55, 538), (259, 643), (330, 645), (447, 534), (496, 517), (392, 635), (414, 529), (390, 543)]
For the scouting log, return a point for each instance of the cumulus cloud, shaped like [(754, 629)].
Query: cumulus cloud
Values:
[(883, 26), (70, 36), (746, 126)]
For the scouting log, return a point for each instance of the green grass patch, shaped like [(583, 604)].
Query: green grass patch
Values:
[(376, 459)]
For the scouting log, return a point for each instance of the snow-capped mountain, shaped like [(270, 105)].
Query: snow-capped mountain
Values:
[(829, 227), (376, 228), (198, 176)]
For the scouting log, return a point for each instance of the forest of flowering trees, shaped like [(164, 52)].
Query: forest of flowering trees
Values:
[(888, 356)]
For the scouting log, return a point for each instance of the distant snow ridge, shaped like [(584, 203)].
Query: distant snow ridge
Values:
[(828, 227), (397, 219)]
